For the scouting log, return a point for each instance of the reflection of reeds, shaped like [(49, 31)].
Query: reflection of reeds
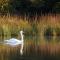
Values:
[(30, 49), (43, 49), (7, 52)]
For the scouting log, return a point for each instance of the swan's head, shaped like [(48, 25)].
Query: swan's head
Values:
[(21, 32)]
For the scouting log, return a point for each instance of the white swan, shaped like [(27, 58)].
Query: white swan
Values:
[(14, 42)]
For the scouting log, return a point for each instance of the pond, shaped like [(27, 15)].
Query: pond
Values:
[(35, 48)]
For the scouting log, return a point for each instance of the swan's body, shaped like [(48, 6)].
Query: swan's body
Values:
[(14, 42)]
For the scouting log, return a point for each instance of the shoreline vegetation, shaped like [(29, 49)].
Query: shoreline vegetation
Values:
[(38, 30)]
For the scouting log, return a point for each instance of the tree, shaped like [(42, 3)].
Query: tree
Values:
[(3, 5)]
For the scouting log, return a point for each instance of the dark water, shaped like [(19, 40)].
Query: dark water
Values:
[(32, 56)]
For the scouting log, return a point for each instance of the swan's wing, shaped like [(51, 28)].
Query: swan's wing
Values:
[(10, 40), (13, 42)]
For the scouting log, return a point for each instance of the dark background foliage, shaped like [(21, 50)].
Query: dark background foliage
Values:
[(29, 6)]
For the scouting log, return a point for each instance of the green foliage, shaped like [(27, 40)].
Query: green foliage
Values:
[(57, 31), (48, 34), (4, 5), (57, 7), (13, 6), (49, 31)]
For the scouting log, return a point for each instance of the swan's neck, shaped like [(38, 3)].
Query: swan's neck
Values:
[(21, 36)]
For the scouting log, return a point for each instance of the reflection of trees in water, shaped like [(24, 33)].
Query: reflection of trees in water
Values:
[(48, 33), (57, 30), (52, 33)]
